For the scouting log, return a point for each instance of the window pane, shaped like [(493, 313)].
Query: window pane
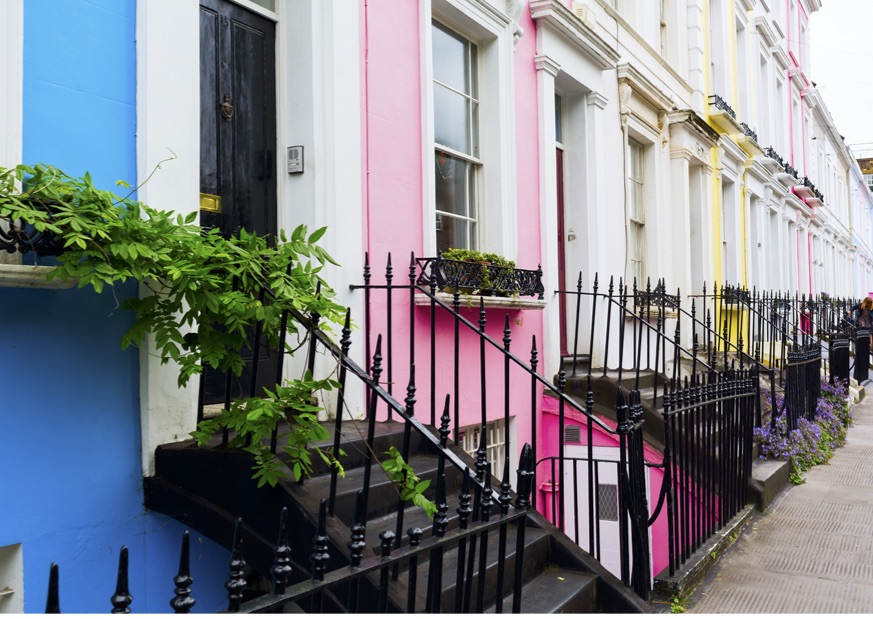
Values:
[(559, 120), (607, 502), (450, 60), (453, 232), (451, 119), (455, 188)]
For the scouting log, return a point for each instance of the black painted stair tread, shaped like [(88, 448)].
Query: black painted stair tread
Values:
[(556, 591)]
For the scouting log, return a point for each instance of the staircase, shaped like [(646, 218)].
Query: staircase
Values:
[(207, 488)]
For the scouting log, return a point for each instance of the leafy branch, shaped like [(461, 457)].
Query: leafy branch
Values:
[(408, 485), (208, 293)]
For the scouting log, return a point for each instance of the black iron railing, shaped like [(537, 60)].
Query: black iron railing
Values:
[(515, 370), (421, 559), (707, 454), (721, 104), (16, 236)]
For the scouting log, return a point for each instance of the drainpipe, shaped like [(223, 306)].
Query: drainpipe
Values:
[(366, 126)]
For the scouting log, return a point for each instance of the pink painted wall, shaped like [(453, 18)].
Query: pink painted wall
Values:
[(392, 117)]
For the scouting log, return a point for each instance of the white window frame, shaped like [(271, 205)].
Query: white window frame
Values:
[(492, 31), (444, 153), (11, 84), (496, 433), (638, 188)]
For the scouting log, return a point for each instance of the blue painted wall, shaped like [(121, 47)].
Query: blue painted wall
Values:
[(72, 485)]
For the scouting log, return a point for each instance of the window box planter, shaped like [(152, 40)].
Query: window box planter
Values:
[(479, 277)]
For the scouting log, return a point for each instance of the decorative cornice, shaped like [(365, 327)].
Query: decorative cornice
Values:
[(640, 84), (554, 15), (696, 122), (762, 24), (543, 62), (595, 99), (781, 57)]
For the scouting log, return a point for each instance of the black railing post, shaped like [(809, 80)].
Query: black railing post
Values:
[(389, 279), (414, 540), (371, 421), (523, 487), (345, 344), (464, 511), (386, 541), (121, 599), (320, 555), (182, 602), (533, 401), (236, 580), (281, 569), (52, 602), (506, 341), (505, 501), (357, 544), (435, 577)]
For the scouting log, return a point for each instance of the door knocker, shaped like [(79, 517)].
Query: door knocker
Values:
[(227, 109)]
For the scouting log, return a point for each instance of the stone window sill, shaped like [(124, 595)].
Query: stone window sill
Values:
[(28, 276), (472, 301)]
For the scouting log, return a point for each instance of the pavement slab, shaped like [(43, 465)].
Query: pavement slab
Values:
[(811, 551)]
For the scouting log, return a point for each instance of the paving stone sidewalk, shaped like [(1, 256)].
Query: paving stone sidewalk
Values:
[(812, 551)]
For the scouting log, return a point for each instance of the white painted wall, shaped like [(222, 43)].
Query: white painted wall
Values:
[(11, 61), (168, 126)]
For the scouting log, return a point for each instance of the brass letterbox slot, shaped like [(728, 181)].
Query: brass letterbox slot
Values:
[(210, 203)]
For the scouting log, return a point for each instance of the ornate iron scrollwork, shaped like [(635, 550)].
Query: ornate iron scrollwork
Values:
[(24, 238), (478, 278)]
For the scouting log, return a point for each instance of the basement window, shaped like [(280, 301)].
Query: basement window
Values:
[(468, 439), (607, 502)]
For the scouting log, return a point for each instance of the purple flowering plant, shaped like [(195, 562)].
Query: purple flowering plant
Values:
[(813, 442)]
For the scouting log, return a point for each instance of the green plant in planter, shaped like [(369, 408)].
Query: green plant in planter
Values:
[(205, 294), (487, 260)]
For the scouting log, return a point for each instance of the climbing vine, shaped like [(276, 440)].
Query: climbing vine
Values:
[(205, 294)]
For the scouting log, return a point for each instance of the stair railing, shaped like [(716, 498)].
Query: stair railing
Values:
[(427, 281), (324, 587)]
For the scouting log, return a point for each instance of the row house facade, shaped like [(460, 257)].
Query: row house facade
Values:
[(680, 140)]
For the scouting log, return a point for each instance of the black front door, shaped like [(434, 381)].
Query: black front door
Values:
[(238, 117), (237, 143)]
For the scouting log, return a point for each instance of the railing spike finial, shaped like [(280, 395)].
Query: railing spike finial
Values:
[(505, 499), (482, 314), (182, 602), (524, 479), (464, 499), (533, 353), (487, 496), (320, 556), (445, 421), (440, 519), (358, 530), (121, 599), (281, 568), (236, 581), (596, 282), (481, 455), (386, 540), (410, 391), (507, 334), (53, 599)]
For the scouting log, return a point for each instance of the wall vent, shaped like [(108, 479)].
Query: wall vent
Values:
[(572, 434), (585, 14)]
